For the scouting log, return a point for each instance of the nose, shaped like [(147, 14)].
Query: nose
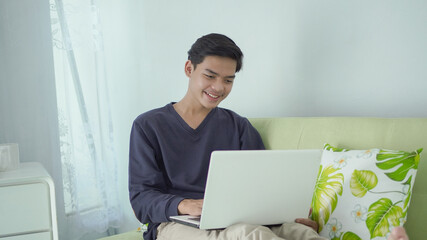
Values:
[(218, 86)]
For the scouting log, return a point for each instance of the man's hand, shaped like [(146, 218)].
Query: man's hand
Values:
[(308, 222), (191, 207), (398, 233)]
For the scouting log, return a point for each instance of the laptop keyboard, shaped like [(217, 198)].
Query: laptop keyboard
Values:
[(195, 218)]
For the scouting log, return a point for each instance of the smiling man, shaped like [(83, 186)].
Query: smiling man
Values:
[(170, 150), (210, 83)]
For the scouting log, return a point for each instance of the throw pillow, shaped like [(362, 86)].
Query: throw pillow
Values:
[(363, 194)]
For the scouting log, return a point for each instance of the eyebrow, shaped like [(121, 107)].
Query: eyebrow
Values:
[(214, 73)]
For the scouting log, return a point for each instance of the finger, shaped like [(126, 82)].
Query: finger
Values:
[(303, 221), (308, 222)]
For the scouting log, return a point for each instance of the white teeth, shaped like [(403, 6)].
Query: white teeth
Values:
[(212, 95)]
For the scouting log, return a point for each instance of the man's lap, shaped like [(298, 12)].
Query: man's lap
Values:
[(288, 231)]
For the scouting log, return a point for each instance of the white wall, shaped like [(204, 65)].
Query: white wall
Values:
[(302, 58), (28, 114), (362, 58)]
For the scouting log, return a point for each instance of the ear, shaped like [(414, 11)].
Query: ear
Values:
[(188, 68)]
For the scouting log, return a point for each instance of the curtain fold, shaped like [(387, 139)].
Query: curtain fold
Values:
[(89, 165)]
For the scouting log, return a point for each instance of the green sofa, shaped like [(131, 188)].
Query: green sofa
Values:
[(406, 134)]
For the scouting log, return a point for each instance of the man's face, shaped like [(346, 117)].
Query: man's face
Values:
[(212, 80)]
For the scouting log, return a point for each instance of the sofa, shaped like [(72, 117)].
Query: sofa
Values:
[(406, 134)]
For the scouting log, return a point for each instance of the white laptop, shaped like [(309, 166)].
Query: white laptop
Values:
[(263, 187)]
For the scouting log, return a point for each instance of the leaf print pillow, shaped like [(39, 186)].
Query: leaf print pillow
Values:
[(363, 194)]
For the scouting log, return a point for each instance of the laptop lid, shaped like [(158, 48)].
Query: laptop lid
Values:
[(263, 187)]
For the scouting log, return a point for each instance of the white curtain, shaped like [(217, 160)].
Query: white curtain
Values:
[(89, 165)]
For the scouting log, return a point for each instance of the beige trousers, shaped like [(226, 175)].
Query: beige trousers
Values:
[(287, 231)]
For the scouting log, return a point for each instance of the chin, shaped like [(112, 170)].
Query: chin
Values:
[(211, 105), (207, 103)]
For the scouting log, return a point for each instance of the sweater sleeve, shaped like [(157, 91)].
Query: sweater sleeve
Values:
[(249, 137), (147, 187)]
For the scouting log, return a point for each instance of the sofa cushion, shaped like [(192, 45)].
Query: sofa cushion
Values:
[(363, 193)]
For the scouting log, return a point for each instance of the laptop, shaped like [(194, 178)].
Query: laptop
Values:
[(262, 187)]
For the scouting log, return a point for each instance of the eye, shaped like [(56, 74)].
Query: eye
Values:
[(229, 80), (209, 76)]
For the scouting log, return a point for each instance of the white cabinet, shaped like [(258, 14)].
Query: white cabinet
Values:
[(27, 204)]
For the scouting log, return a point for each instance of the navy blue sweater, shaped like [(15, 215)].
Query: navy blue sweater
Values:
[(169, 160)]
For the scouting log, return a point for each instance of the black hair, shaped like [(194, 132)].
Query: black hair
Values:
[(215, 44)]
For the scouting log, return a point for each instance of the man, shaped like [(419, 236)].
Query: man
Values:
[(170, 150), (398, 233)]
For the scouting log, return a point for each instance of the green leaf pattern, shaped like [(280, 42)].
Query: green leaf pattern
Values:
[(362, 181), (388, 159), (328, 147), (408, 192), (350, 236), (325, 196), (383, 213)]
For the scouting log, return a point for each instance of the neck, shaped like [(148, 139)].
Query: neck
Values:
[(192, 114), (189, 107)]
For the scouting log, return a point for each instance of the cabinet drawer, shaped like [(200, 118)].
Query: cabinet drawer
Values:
[(24, 209)]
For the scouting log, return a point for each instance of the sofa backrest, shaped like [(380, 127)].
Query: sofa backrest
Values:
[(407, 134)]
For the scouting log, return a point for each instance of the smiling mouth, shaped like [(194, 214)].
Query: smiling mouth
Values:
[(212, 96)]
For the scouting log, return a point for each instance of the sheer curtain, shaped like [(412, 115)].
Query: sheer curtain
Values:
[(89, 165)]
